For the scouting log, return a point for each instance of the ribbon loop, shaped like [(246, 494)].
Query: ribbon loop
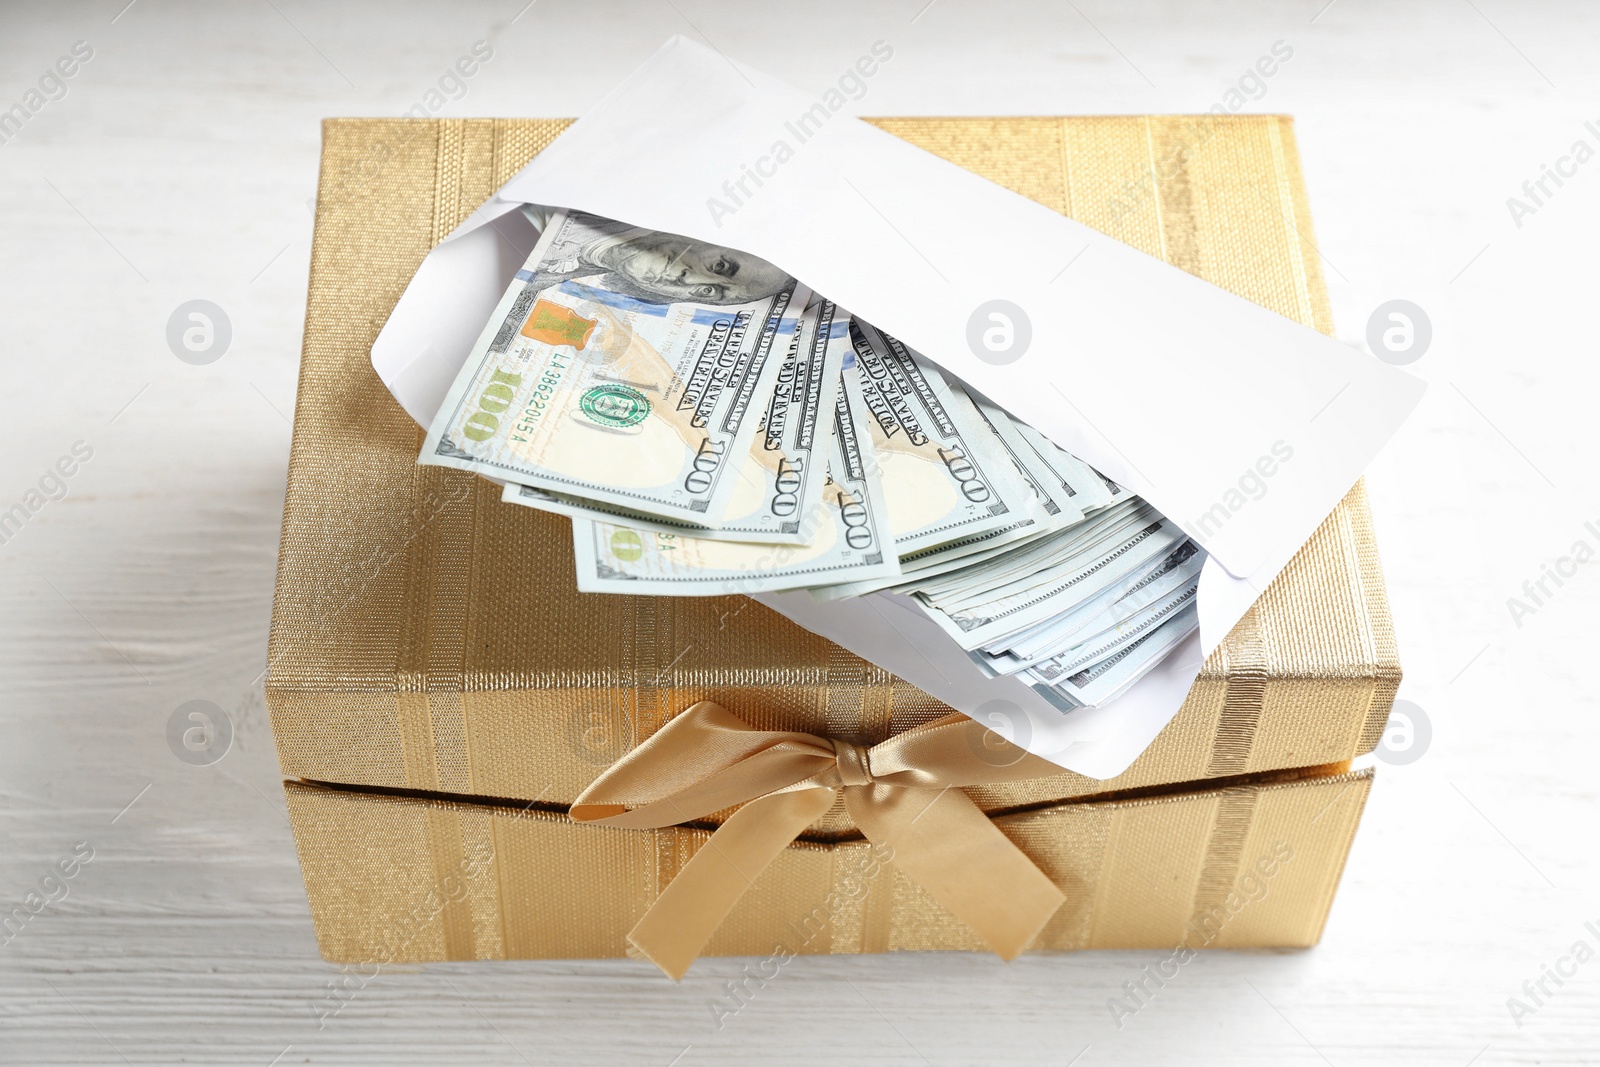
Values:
[(706, 759)]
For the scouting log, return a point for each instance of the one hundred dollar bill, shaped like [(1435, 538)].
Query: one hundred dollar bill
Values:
[(782, 477), (624, 366), (944, 474), (848, 538), (1087, 488), (1057, 499), (1055, 528)]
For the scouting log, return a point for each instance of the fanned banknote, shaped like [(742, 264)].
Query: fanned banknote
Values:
[(1047, 511), (1062, 503), (623, 366), (782, 476), (847, 531), (942, 478)]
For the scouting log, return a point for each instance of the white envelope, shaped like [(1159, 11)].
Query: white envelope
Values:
[(1177, 389)]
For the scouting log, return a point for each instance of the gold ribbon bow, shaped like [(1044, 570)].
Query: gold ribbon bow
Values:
[(904, 793)]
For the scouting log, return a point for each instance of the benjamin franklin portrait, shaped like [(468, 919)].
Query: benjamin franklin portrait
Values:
[(651, 266)]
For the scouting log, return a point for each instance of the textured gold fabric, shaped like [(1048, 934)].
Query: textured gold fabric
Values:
[(398, 879), (905, 794), (426, 637)]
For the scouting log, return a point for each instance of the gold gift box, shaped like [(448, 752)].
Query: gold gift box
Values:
[(429, 640)]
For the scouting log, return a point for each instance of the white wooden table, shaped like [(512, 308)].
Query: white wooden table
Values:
[(179, 165)]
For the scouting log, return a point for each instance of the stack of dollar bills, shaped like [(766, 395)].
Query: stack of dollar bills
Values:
[(711, 426)]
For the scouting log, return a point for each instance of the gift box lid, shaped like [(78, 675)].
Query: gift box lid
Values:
[(427, 637)]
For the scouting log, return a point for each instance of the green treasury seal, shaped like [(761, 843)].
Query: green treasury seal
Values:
[(617, 406)]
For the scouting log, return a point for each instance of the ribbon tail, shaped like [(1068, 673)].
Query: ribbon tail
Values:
[(686, 914), (946, 844)]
